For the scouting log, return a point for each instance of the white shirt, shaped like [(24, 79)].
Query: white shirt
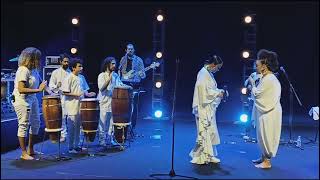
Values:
[(105, 96), (57, 76), (76, 85), (32, 81)]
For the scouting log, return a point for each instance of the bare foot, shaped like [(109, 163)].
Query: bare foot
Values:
[(34, 153), (31, 152), (264, 165), (26, 156)]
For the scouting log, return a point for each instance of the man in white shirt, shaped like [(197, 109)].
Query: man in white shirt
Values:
[(74, 87), (107, 80), (55, 83)]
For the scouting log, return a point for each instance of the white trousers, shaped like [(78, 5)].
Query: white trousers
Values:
[(73, 130), (105, 124), (28, 115), (64, 124)]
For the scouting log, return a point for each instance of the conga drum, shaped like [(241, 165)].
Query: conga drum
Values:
[(3, 89), (90, 114), (52, 114), (121, 105), (121, 112)]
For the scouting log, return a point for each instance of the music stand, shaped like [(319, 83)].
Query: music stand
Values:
[(132, 134)]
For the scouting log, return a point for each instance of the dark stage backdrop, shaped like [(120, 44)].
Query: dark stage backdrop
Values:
[(192, 30)]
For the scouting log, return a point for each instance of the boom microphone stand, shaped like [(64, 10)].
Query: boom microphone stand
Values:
[(172, 172)]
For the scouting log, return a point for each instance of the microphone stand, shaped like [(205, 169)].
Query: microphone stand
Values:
[(292, 91), (172, 172)]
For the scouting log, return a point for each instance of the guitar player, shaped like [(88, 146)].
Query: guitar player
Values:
[(128, 64)]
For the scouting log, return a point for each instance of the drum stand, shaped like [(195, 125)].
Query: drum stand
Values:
[(122, 125), (86, 132), (132, 134), (59, 158)]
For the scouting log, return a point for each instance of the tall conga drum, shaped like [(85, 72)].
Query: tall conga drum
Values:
[(121, 112), (90, 114), (3, 89), (121, 104), (52, 114)]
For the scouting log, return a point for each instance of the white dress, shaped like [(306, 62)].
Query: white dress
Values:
[(205, 103), (267, 113)]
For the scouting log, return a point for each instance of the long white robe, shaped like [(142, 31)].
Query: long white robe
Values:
[(205, 103), (267, 113)]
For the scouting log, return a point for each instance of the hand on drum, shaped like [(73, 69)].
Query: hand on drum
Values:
[(43, 85), (126, 86), (91, 94)]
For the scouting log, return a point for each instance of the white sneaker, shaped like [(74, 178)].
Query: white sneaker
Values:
[(215, 160), (73, 151)]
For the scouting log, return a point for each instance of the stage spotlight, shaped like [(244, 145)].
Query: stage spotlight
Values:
[(245, 54), (244, 118), (158, 113), (247, 19), (160, 18), (73, 50), (159, 55), (75, 21), (244, 91), (158, 84)]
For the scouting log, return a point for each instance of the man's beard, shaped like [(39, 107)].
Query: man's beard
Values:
[(130, 55), (65, 67)]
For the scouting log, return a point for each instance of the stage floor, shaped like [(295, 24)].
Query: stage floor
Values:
[(150, 152)]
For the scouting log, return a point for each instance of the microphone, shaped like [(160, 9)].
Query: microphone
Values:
[(226, 94), (282, 69)]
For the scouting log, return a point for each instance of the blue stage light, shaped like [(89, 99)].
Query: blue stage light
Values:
[(244, 118), (158, 113)]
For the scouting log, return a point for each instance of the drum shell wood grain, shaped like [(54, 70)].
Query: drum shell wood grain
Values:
[(121, 105), (90, 114), (52, 115)]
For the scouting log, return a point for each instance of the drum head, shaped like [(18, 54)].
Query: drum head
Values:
[(122, 87), (89, 99), (50, 97)]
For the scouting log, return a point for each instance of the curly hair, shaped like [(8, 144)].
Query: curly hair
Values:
[(106, 63), (269, 58), (30, 58)]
